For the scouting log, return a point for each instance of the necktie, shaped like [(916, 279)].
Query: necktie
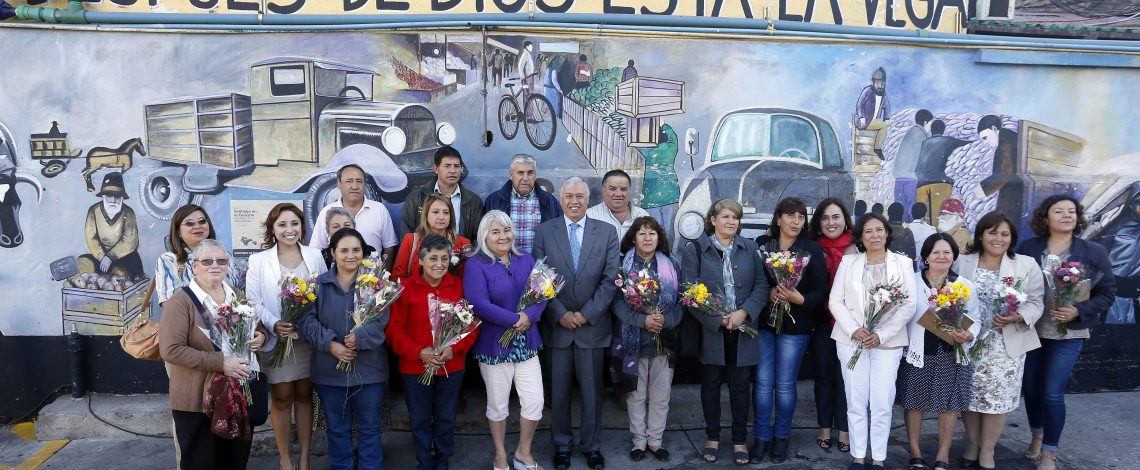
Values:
[(575, 245)]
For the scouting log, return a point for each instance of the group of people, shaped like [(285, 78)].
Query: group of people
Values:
[(458, 246)]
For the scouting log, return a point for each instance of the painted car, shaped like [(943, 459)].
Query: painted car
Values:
[(303, 120), (758, 156)]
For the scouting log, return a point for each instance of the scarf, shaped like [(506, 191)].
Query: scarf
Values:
[(225, 404), (627, 340), (833, 249)]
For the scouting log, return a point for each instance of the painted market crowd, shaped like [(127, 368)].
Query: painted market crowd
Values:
[(539, 291)]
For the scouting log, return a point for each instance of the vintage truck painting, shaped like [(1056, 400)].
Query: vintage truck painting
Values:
[(303, 120)]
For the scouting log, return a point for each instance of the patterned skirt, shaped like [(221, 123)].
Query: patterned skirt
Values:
[(941, 385), (997, 377)]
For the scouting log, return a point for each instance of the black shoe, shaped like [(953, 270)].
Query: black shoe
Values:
[(660, 454), (856, 466), (878, 467), (637, 455), (561, 460), (759, 448), (595, 460), (779, 450), (968, 463)]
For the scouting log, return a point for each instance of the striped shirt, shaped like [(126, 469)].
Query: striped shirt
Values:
[(526, 214)]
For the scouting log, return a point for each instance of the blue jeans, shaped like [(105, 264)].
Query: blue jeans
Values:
[(432, 411), (780, 357), (343, 405), (1047, 371)]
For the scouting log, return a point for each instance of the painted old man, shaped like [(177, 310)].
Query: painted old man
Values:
[(111, 232)]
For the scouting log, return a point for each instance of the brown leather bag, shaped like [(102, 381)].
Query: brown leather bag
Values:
[(141, 338)]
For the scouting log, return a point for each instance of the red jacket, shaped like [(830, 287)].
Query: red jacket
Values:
[(409, 330)]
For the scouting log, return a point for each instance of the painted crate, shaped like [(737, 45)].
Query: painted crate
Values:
[(102, 312), (644, 97), (213, 130)]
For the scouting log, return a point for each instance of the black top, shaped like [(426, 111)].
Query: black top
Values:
[(813, 286)]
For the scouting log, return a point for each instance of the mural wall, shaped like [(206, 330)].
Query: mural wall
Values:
[(106, 134)]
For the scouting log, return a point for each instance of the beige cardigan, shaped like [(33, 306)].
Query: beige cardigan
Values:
[(191, 356), (1019, 338)]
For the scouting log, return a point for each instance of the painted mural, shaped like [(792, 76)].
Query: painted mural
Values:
[(138, 124)]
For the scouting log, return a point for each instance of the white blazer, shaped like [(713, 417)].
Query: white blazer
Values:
[(915, 351), (1019, 338), (263, 282), (848, 300)]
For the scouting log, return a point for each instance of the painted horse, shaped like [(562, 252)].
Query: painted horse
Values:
[(103, 157)]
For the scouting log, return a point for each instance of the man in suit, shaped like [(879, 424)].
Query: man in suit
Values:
[(585, 252)]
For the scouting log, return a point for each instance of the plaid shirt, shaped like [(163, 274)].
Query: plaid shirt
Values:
[(526, 214)]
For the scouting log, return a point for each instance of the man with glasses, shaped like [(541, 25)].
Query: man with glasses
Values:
[(527, 204), (371, 217), (465, 204)]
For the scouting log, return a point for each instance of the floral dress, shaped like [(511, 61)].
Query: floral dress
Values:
[(997, 376)]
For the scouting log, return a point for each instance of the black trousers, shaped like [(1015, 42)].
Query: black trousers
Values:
[(739, 380), (200, 449), (830, 399)]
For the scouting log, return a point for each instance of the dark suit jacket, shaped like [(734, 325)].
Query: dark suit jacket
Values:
[(701, 262), (589, 290)]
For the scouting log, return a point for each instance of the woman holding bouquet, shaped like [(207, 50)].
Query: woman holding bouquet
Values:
[(1064, 328), (354, 395), (831, 229), (784, 333), (494, 281), (1006, 331), (870, 341), (934, 378), (290, 391), (728, 265), (188, 324), (645, 363), (435, 218), (432, 407)]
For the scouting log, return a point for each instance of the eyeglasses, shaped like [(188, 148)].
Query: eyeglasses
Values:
[(192, 223), (210, 261)]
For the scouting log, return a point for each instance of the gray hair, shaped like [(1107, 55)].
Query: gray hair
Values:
[(337, 211), (207, 244), (434, 242), (524, 159), (571, 181), (498, 217)]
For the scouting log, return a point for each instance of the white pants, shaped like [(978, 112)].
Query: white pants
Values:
[(871, 385), (649, 404), (526, 377)]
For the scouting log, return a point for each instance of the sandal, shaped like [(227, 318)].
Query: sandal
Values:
[(1034, 455), (709, 454), (940, 465), (824, 444), (740, 457), (1047, 462), (918, 464), (843, 447)]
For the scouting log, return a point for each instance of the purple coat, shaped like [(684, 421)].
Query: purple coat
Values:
[(865, 108), (495, 291)]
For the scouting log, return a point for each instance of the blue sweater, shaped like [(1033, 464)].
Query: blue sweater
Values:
[(1095, 258), (328, 320)]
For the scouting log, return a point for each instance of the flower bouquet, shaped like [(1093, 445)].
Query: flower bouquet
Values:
[(697, 296), (234, 327), (883, 301), (295, 294), (947, 314), (787, 269), (542, 285), (450, 323), (641, 292), (1070, 282), (1007, 299), (375, 292)]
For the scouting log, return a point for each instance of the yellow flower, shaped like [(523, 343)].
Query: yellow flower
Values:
[(311, 296), (548, 292)]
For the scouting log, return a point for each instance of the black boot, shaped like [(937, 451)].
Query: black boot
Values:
[(759, 448), (779, 450)]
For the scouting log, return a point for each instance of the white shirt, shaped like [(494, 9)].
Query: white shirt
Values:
[(581, 228), (208, 302), (604, 214), (456, 200), (373, 222)]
